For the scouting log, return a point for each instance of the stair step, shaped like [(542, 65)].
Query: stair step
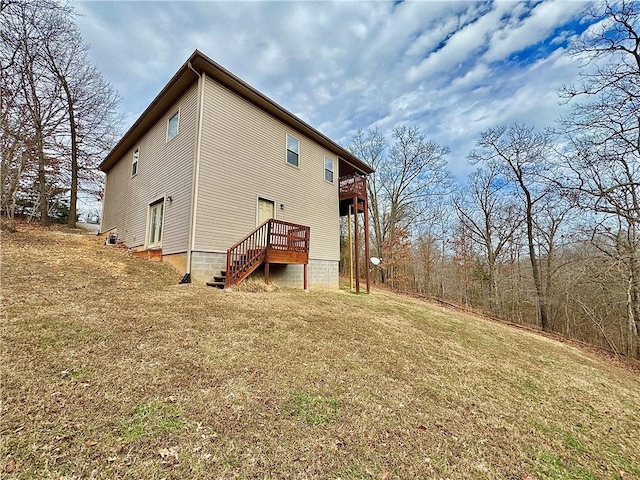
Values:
[(219, 281)]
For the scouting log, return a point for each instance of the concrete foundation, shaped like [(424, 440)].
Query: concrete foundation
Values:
[(322, 274)]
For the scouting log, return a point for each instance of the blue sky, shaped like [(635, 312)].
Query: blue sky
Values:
[(452, 68)]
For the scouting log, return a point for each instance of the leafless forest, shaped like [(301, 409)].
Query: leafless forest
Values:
[(545, 232), (58, 113)]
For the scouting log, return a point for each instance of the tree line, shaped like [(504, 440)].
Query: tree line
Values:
[(58, 115), (546, 231)]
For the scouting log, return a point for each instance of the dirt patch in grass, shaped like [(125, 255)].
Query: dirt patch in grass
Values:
[(112, 370)]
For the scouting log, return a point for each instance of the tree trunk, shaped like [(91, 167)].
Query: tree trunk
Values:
[(493, 282), (535, 267), (42, 181), (633, 317), (73, 197), (548, 275)]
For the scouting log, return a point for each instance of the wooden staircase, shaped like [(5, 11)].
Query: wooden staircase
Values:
[(219, 280), (274, 241)]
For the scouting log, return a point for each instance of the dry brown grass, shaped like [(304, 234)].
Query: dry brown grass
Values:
[(111, 370)]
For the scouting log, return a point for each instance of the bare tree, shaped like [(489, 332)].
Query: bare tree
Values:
[(413, 171), (486, 210), (60, 110), (549, 222), (90, 103), (14, 144), (62, 59), (604, 164), (520, 154), (371, 147), (24, 32)]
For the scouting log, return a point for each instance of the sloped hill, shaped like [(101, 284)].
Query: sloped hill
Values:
[(111, 370)]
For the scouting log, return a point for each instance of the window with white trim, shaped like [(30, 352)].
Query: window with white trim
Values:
[(173, 125), (328, 169), (293, 151), (134, 162)]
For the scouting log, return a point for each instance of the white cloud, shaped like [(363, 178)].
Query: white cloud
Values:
[(348, 65), (472, 77), (520, 34), (464, 43)]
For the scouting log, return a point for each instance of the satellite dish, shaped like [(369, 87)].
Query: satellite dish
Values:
[(375, 261)]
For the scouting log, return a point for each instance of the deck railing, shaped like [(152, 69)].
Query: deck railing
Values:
[(246, 255), (353, 185), (288, 236)]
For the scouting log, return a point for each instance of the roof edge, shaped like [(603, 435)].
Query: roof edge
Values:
[(109, 160), (184, 78)]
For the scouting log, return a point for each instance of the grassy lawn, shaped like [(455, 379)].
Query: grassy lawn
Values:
[(112, 370)]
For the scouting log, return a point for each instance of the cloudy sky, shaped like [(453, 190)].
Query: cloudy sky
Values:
[(453, 68)]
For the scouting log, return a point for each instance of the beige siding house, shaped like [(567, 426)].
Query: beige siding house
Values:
[(211, 160)]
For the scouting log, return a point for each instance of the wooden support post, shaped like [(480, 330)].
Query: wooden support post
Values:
[(366, 243), (356, 245), (305, 276), (266, 273), (350, 248)]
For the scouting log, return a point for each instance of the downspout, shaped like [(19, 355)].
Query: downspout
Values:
[(195, 174), (104, 198)]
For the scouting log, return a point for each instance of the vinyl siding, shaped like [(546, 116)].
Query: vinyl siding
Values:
[(164, 169), (243, 157)]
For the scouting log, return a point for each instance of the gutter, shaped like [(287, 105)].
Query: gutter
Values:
[(195, 175)]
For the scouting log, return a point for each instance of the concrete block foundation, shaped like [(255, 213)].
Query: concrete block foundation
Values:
[(322, 274)]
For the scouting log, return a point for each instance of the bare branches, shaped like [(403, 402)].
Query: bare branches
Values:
[(521, 155), (56, 107), (604, 134), (413, 171), (486, 210)]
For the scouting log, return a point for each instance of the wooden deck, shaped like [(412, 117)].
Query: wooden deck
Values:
[(353, 189), (275, 255), (274, 241), (353, 185), (353, 201)]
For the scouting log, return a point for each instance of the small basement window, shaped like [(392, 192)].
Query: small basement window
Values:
[(328, 169), (173, 125), (134, 162), (293, 151)]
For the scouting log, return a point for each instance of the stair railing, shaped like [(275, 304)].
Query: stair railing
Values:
[(247, 255)]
